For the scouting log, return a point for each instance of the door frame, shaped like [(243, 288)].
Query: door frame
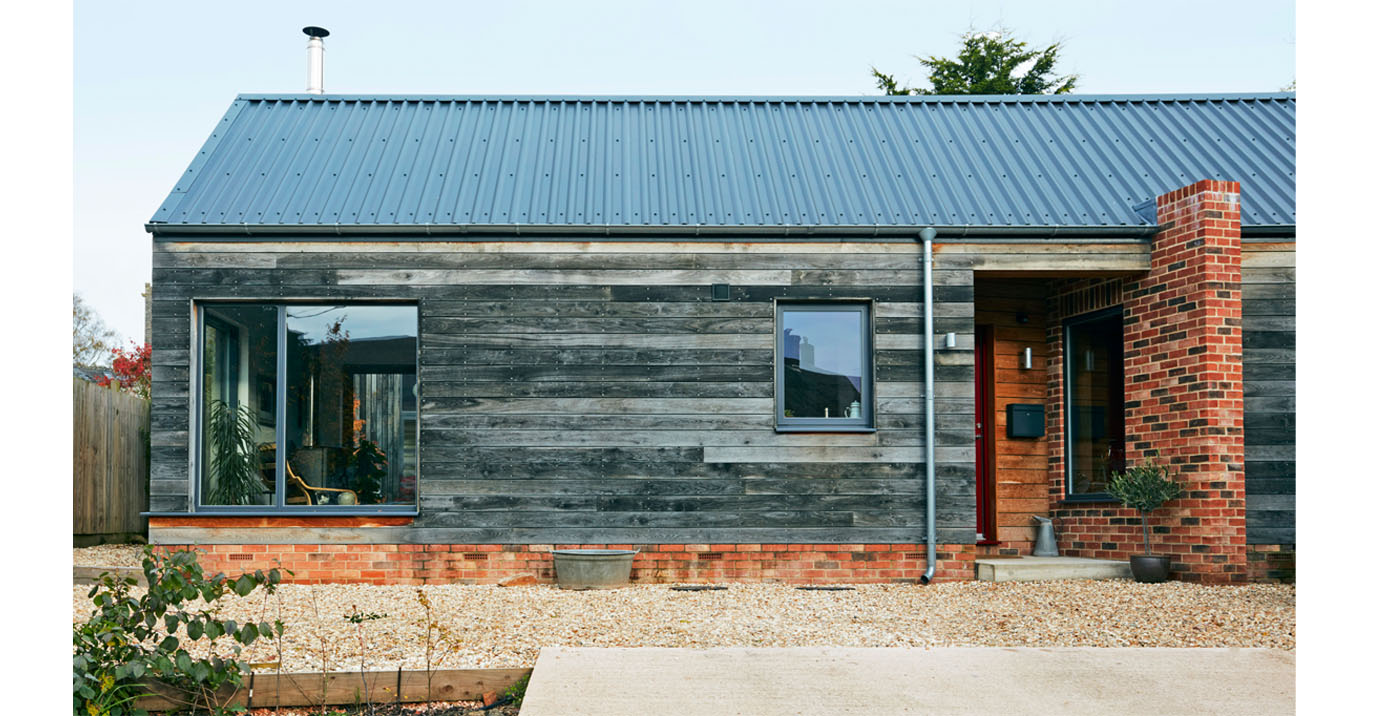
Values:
[(986, 431)]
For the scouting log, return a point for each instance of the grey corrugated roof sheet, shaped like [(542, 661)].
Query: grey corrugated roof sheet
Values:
[(396, 162)]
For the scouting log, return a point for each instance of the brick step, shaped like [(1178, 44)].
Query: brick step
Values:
[(1036, 569)]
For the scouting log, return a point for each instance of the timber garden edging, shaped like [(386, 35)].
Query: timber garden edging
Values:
[(271, 689)]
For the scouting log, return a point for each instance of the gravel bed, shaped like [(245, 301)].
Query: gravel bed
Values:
[(108, 555), (506, 626)]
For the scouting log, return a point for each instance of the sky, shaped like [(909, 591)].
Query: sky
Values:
[(152, 78)]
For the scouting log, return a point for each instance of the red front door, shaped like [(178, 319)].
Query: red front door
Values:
[(984, 426)]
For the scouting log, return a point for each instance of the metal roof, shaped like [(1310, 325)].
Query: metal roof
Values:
[(415, 162)]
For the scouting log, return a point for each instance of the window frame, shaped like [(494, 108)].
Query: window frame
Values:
[(197, 437), (863, 424), (1067, 363)]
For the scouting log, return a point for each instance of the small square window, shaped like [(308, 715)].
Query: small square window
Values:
[(824, 366)]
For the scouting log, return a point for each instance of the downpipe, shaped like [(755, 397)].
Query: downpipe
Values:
[(928, 354)]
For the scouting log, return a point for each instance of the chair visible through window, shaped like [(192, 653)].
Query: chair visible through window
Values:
[(299, 492)]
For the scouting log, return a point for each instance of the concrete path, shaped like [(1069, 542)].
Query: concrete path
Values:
[(837, 680)]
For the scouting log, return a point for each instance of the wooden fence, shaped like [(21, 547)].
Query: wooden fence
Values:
[(109, 463)]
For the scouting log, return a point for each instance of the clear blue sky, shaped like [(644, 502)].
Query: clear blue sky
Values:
[(152, 78)]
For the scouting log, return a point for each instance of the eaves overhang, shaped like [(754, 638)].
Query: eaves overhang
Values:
[(422, 232)]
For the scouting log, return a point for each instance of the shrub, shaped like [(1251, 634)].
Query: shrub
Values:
[(120, 645), (1144, 488), (516, 692)]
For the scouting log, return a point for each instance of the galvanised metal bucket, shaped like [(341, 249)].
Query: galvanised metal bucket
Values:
[(593, 568)]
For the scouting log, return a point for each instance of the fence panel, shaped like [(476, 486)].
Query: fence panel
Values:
[(109, 461)]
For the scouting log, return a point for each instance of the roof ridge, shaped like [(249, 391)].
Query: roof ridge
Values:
[(677, 98)]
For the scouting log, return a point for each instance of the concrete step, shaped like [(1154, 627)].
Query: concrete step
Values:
[(1035, 569), (91, 575)]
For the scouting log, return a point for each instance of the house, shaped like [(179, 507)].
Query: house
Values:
[(484, 327)]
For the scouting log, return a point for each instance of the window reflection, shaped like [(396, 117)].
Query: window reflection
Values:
[(238, 403), (1094, 382), (351, 405), (824, 356)]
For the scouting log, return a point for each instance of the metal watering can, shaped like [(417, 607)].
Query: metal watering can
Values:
[(1045, 538)]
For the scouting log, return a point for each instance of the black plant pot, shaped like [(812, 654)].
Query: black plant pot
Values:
[(1150, 569)]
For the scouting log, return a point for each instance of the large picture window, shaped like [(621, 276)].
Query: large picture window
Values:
[(1095, 435), (824, 366), (307, 406)]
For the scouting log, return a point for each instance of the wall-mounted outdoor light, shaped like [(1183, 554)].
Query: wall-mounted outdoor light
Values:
[(950, 340), (1026, 358)]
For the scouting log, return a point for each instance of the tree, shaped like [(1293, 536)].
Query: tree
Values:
[(992, 62), (133, 368), (92, 340)]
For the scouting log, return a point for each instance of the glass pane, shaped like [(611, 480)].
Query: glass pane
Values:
[(351, 405), (1094, 363), (823, 364), (238, 404)]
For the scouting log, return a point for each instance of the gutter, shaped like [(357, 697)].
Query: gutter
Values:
[(928, 355), (424, 231)]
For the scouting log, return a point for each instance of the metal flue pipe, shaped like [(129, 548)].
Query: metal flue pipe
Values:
[(928, 344), (315, 59)]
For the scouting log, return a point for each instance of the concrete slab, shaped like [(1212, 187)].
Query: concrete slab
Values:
[(840, 680), (91, 575), (1036, 569)]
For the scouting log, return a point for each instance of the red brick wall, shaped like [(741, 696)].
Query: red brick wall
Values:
[(1182, 326), (490, 563)]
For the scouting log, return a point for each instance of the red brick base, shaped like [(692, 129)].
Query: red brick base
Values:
[(656, 563), (1270, 563)]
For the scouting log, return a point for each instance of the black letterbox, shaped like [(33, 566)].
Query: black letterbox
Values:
[(1025, 420)]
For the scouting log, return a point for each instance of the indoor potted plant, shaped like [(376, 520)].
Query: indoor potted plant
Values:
[(1144, 488), (233, 462)]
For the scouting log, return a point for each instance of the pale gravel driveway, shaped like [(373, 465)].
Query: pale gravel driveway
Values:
[(505, 627), (108, 555)]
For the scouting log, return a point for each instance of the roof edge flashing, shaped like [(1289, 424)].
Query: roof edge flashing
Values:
[(712, 98)]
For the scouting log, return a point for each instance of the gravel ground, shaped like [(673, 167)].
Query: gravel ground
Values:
[(108, 555), (506, 626)]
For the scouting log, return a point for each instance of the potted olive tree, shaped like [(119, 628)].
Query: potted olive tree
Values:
[(1145, 488)]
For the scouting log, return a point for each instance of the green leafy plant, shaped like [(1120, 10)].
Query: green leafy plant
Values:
[(233, 462), (121, 645), (515, 693), (367, 467), (1144, 488)]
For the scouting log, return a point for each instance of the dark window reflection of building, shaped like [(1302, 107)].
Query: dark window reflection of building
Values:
[(810, 391)]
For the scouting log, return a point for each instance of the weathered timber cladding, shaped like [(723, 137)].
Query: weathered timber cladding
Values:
[(585, 392), (1268, 324)]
